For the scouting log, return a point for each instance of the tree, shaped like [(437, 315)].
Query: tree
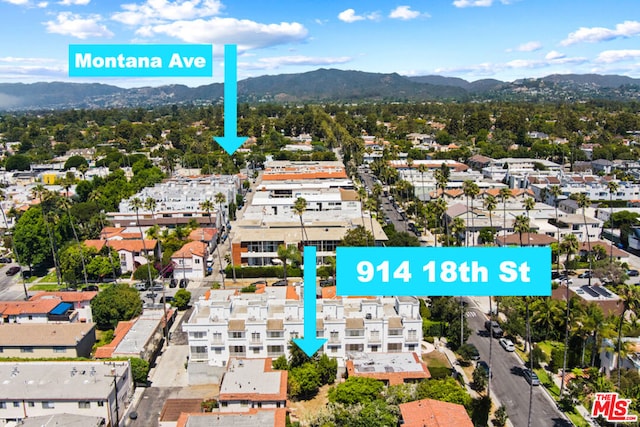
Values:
[(115, 303), (403, 239), (299, 207), (613, 187), (445, 389), (30, 238), (65, 203), (442, 181), (584, 202), (286, 253), (136, 204), (220, 199), (630, 302), (18, 162), (145, 271), (40, 192), (356, 390), (304, 381), (358, 236), (327, 368), (181, 299), (139, 370), (521, 226), (480, 377), (529, 204), (556, 192), (75, 162), (490, 205), (470, 190), (505, 194)]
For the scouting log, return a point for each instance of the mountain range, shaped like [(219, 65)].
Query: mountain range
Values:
[(323, 85)]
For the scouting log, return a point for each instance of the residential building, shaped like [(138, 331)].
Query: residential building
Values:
[(131, 253), (501, 169), (528, 239), (225, 325), (252, 383), (66, 420), (178, 201), (253, 417), (40, 340), (434, 413), (190, 261), (609, 302), (42, 310), (80, 301), (390, 368), (140, 337), (94, 389), (575, 224), (630, 358)]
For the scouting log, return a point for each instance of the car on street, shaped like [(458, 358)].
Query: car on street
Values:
[(563, 279), (5, 260), (157, 287), (91, 288), (484, 366), (280, 283), (259, 283), (469, 351), (633, 273), (173, 283), (531, 377), (507, 344), (585, 275), (183, 283), (494, 328), (13, 270), (141, 286)]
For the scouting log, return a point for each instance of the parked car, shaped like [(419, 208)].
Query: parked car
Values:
[(183, 283), (141, 286), (469, 352), (151, 295), (585, 275), (281, 283), (5, 260), (531, 377), (13, 270), (507, 344), (563, 279), (633, 273), (259, 283), (173, 283), (484, 366), (494, 328), (91, 288), (157, 287), (168, 299)]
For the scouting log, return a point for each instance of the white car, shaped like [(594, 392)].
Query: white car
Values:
[(507, 344)]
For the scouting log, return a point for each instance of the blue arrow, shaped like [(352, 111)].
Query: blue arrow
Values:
[(309, 343), (230, 141)]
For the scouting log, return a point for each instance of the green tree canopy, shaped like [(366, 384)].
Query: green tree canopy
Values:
[(358, 236), (75, 162), (18, 162), (445, 389), (115, 303), (356, 390)]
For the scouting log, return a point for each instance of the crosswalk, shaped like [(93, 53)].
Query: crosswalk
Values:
[(470, 314)]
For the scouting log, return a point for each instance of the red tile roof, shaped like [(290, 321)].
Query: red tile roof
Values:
[(106, 351), (16, 308), (66, 296), (434, 413), (203, 234), (186, 251), (123, 245)]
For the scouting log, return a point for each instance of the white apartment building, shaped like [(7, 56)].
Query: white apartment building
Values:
[(178, 201), (262, 325), (96, 389)]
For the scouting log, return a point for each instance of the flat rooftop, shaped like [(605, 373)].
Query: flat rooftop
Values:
[(140, 333), (253, 418), (249, 376), (385, 363)]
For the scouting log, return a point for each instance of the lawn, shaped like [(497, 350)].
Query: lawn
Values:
[(577, 419), (546, 380), (44, 287)]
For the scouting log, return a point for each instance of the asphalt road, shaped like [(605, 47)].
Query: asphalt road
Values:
[(11, 287), (389, 210), (508, 384)]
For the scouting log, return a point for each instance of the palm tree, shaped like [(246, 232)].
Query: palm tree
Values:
[(299, 207), (65, 203), (439, 207), (583, 202), (362, 194), (442, 181), (136, 204), (630, 302), (285, 253), (207, 206), (490, 205), (423, 169), (521, 226), (457, 228), (529, 204), (555, 191), (505, 194), (470, 190), (150, 204), (613, 187), (220, 199), (592, 320), (528, 326), (39, 191), (569, 245)]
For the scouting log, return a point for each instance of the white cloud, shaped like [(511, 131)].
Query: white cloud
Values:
[(158, 11), (70, 24), (529, 46), (279, 61), (242, 32), (74, 2), (404, 12), (42, 4), (17, 2), (488, 68), (476, 3), (611, 56), (554, 54), (598, 34), (12, 59), (349, 16)]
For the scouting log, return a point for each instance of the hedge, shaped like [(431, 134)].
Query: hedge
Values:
[(265, 271)]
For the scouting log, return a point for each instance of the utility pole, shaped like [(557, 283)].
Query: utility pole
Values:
[(114, 375)]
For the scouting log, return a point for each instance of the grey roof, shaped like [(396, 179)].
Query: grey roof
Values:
[(260, 418), (141, 332), (249, 376), (44, 334), (59, 380), (66, 420)]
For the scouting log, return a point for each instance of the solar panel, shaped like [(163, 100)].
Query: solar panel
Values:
[(590, 291), (602, 291)]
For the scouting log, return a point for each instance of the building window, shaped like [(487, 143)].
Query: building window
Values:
[(16, 404), (275, 350), (256, 350), (59, 349), (413, 334), (26, 349), (197, 334), (394, 347), (198, 352), (218, 350), (30, 317), (101, 403), (295, 334), (395, 332), (84, 405), (374, 349), (354, 347), (48, 405), (355, 332), (197, 260), (275, 334), (375, 335), (255, 336), (3, 405), (334, 336), (217, 337), (31, 404), (236, 334), (411, 347), (237, 350)]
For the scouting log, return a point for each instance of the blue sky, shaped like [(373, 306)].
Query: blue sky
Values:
[(471, 39)]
